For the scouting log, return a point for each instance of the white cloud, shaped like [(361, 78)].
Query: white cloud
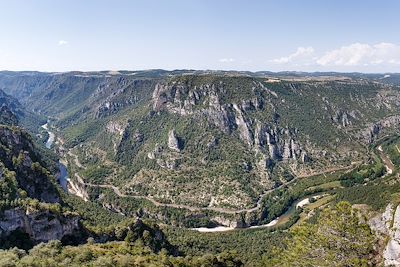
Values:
[(301, 54), (358, 54), (62, 42), (353, 57), (226, 60)]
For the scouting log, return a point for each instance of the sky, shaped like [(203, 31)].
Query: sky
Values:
[(255, 35)]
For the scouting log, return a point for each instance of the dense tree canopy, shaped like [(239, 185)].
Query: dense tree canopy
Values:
[(340, 237)]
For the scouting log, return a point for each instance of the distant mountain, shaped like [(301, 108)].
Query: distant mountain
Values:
[(13, 112)]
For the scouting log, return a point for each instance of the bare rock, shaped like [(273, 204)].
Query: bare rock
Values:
[(173, 141), (41, 226)]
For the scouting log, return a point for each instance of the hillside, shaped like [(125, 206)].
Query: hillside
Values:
[(29, 198), (149, 151), (211, 142), (12, 112), (34, 208)]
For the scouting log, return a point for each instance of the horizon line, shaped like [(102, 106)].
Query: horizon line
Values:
[(194, 70)]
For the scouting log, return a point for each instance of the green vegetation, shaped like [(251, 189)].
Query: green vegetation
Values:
[(8, 185), (376, 196), (109, 254), (276, 203), (227, 126), (363, 173), (391, 148), (249, 245), (96, 174), (127, 135), (93, 214), (369, 184), (339, 238)]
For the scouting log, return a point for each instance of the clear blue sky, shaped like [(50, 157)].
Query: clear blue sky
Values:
[(62, 35)]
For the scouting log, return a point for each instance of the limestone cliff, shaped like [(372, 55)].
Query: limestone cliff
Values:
[(387, 226), (41, 226), (206, 101)]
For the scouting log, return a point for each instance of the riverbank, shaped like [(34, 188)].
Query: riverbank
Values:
[(52, 136), (62, 177), (275, 222)]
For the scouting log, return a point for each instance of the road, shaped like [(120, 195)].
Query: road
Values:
[(220, 210), (389, 165)]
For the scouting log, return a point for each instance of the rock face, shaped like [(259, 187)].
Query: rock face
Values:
[(344, 118), (201, 101), (387, 226), (41, 226), (115, 128), (243, 126), (78, 189), (173, 141), (114, 95), (392, 250), (118, 131), (280, 143), (204, 101), (381, 223), (372, 131)]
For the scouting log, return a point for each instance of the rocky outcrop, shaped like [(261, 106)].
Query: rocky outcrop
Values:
[(117, 94), (78, 189), (156, 152), (372, 131), (344, 118), (204, 101), (41, 226), (391, 254), (119, 131), (165, 158), (382, 222), (279, 143), (387, 226), (115, 128), (174, 142), (107, 108), (243, 125), (227, 222)]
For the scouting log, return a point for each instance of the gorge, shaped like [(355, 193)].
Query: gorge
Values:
[(205, 155)]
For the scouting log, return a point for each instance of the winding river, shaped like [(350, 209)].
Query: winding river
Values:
[(62, 177), (279, 220), (51, 138)]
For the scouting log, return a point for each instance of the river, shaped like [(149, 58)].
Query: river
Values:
[(279, 220), (51, 138), (62, 177), (63, 181)]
